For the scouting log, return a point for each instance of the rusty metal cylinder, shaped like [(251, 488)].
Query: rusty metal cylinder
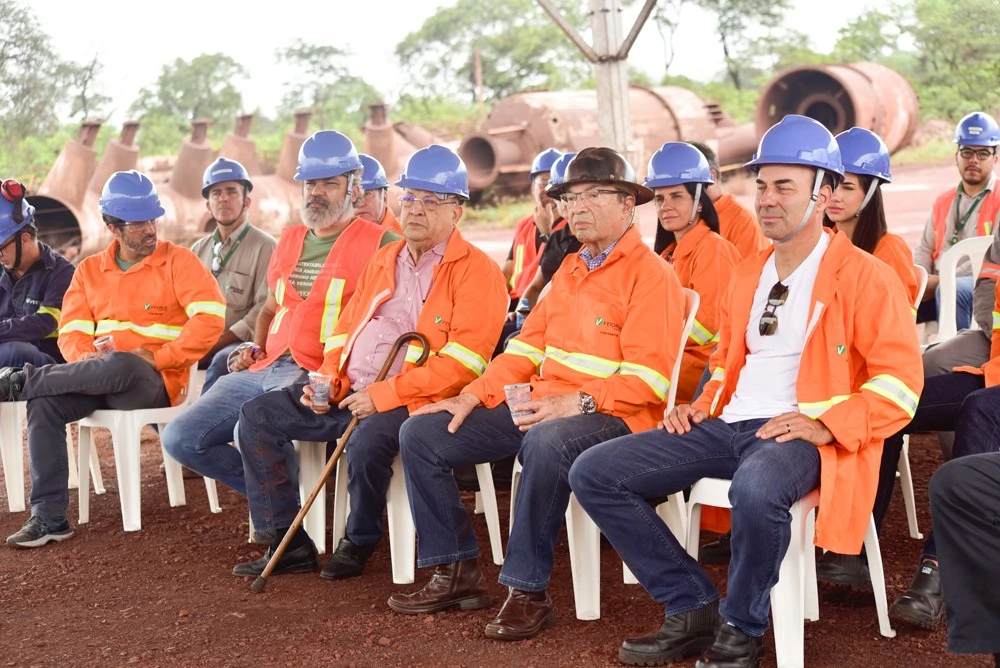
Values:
[(288, 159), (195, 156), (68, 178), (865, 95), (238, 146), (120, 155)]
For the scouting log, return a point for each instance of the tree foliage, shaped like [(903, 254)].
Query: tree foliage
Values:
[(737, 23), (201, 88)]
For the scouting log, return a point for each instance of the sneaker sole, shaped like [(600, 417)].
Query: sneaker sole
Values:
[(44, 540), (907, 616), (300, 568), (471, 603), (496, 633), (689, 649)]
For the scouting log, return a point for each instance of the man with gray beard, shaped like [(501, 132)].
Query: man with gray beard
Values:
[(311, 277)]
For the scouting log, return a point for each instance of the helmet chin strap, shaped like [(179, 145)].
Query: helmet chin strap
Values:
[(868, 197), (817, 185), (694, 209)]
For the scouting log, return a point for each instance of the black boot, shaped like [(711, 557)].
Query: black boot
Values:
[(347, 561), (843, 569), (923, 603), (718, 551), (679, 637), (733, 649)]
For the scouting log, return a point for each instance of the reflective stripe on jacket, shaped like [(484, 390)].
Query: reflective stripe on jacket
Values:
[(991, 369), (525, 253), (31, 307)]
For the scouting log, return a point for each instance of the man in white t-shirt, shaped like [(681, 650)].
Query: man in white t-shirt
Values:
[(817, 362)]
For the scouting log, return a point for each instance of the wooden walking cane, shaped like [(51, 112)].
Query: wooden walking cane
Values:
[(425, 351)]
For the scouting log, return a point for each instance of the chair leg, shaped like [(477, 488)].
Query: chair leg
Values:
[(906, 483), (585, 560), (487, 497), (175, 477), (694, 529), (341, 502), (515, 479), (126, 443), (402, 533), (312, 460), (83, 454), (788, 597), (12, 454), (74, 475), (811, 587), (213, 495), (874, 553), (95, 472)]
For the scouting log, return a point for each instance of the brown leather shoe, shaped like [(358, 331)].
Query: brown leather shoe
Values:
[(523, 615), (458, 585)]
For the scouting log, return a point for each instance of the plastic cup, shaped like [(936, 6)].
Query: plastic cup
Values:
[(518, 394), (320, 384), (105, 344)]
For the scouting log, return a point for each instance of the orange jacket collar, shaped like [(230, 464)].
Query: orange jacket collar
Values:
[(626, 244), (157, 258)]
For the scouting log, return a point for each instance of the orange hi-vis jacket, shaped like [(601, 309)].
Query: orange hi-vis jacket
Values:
[(991, 369), (390, 221), (895, 252), (612, 333), (524, 252), (739, 226), (704, 262), (461, 318), (304, 325), (530, 268), (860, 374), (168, 303), (989, 207)]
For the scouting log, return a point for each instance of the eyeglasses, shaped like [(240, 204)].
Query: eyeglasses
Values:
[(983, 154), (769, 319), (589, 197), (139, 223), (430, 203)]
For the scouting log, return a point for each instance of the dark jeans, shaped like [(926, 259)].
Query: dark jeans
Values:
[(218, 367), (965, 507), (58, 394), (19, 353), (614, 481), (941, 404), (546, 451)]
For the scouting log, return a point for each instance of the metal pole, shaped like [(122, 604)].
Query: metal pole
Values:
[(570, 31), (611, 75), (640, 21)]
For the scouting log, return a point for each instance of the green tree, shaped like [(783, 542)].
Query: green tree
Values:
[(518, 44), (87, 102), (201, 88), (736, 22), (873, 36)]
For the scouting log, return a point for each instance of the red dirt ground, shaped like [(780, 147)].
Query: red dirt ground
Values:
[(164, 596)]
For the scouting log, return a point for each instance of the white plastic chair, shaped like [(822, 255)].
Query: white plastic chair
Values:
[(973, 248), (794, 598), (903, 466), (583, 536), (126, 428), (312, 461)]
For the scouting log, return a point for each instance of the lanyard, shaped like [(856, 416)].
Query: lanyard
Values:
[(960, 223), (220, 263)]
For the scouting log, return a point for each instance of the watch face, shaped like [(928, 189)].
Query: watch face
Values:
[(587, 404)]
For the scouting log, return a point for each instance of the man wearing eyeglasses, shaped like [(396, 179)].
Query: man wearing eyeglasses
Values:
[(311, 278), (435, 283), (33, 280), (237, 253), (375, 205), (161, 310), (817, 363), (598, 353)]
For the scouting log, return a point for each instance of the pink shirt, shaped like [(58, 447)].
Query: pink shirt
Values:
[(394, 317)]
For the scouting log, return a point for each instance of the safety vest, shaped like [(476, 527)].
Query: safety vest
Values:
[(304, 325), (943, 205)]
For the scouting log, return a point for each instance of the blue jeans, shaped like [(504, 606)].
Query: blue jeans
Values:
[(19, 353), (546, 451), (199, 438), (964, 285), (614, 480), (218, 367), (269, 424)]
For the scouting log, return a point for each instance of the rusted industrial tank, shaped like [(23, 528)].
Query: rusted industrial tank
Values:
[(840, 97)]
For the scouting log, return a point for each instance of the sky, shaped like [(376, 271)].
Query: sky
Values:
[(368, 29)]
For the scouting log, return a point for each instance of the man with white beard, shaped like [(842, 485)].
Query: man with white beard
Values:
[(311, 277)]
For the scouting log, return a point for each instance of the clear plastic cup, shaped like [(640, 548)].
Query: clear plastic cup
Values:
[(518, 394), (320, 384), (105, 344)]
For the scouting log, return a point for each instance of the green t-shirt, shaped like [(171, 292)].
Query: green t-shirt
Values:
[(314, 252), (123, 265)]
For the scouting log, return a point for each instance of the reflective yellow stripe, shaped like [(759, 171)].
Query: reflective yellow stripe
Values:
[(211, 308), (518, 264), (84, 326), (334, 342), (588, 364), (996, 319), (657, 381), (279, 292), (331, 312), (154, 331), (988, 227), (718, 374), (701, 335), (895, 391), (913, 312), (517, 347), (413, 353), (276, 323), (469, 359), (817, 408), (55, 313)]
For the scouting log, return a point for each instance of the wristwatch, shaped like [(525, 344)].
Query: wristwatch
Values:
[(588, 406)]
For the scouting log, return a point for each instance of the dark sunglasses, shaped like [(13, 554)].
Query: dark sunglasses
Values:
[(769, 319)]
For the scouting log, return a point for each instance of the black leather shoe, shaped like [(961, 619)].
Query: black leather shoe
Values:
[(300, 560), (843, 569), (923, 603), (733, 649), (717, 552), (347, 561), (11, 383), (679, 637)]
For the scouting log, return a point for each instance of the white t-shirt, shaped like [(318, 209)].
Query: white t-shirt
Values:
[(766, 386)]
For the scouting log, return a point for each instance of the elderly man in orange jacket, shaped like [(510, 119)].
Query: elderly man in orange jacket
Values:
[(154, 303), (817, 363), (598, 352), (434, 282)]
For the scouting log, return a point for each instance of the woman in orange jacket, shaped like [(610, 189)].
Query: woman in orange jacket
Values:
[(688, 238), (856, 208)]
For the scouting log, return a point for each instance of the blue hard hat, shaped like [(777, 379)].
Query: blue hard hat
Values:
[(374, 176), (558, 172), (798, 140), (677, 163), (977, 129), (12, 195), (130, 196), (543, 162), (327, 153), (863, 152), (222, 170), (437, 169)]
